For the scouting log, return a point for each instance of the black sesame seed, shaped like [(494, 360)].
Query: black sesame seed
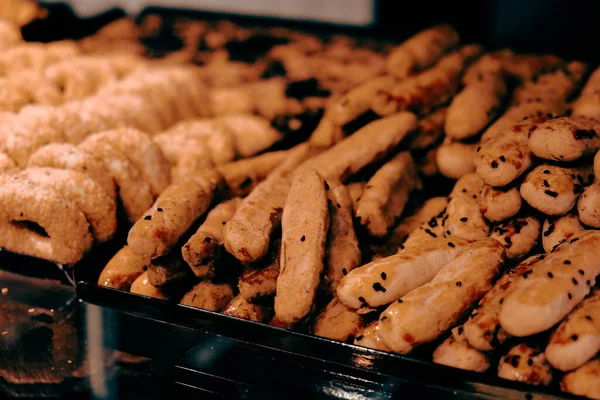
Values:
[(570, 296), (574, 337), (546, 183), (474, 196), (383, 318), (451, 244), (460, 330), (159, 209), (515, 361), (303, 238), (551, 193), (541, 257), (530, 362), (546, 171), (383, 276), (432, 222), (400, 301), (459, 283), (428, 231), (588, 317), (574, 240), (478, 149), (326, 186), (223, 223), (502, 158), (464, 219), (464, 190), (494, 164), (574, 281), (448, 233), (148, 217), (501, 301), (378, 288), (207, 239), (567, 262), (550, 275), (338, 205), (360, 337), (361, 299), (344, 271)]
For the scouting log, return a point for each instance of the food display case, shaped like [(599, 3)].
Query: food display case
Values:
[(65, 333)]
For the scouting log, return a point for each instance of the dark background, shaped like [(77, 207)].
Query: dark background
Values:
[(567, 28)]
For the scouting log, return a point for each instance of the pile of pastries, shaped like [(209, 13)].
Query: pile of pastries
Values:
[(294, 179)]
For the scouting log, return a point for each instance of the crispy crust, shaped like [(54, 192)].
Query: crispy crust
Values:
[(122, 269), (459, 354), (367, 145), (475, 107), (383, 281), (167, 270), (554, 287), (386, 194), (342, 253), (239, 307), (203, 248), (430, 209), (142, 286), (588, 206), (577, 338), (456, 159), (483, 330), (427, 312), (369, 337), (337, 322), (463, 215), (304, 226), (172, 214), (428, 89), (565, 138), (209, 296), (421, 50), (583, 381)]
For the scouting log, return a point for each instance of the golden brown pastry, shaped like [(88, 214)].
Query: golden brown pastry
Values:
[(425, 313), (555, 286), (337, 322), (122, 269), (523, 363), (240, 307), (304, 226), (583, 381), (209, 296)]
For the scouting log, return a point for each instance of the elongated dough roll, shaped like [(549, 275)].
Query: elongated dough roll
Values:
[(122, 269), (430, 209), (367, 145), (425, 313), (584, 381), (342, 253), (577, 338), (209, 296), (383, 281), (503, 158), (553, 190), (456, 159), (463, 215), (337, 322), (558, 230), (428, 89), (202, 250), (258, 281), (242, 176), (386, 194), (142, 286), (369, 337), (475, 106), (421, 50), (458, 353), (482, 330), (430, 130), (566, 138), (172, 214), (588, 206), (557, 284), (304, 226), (252, 134), (241, 308)]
